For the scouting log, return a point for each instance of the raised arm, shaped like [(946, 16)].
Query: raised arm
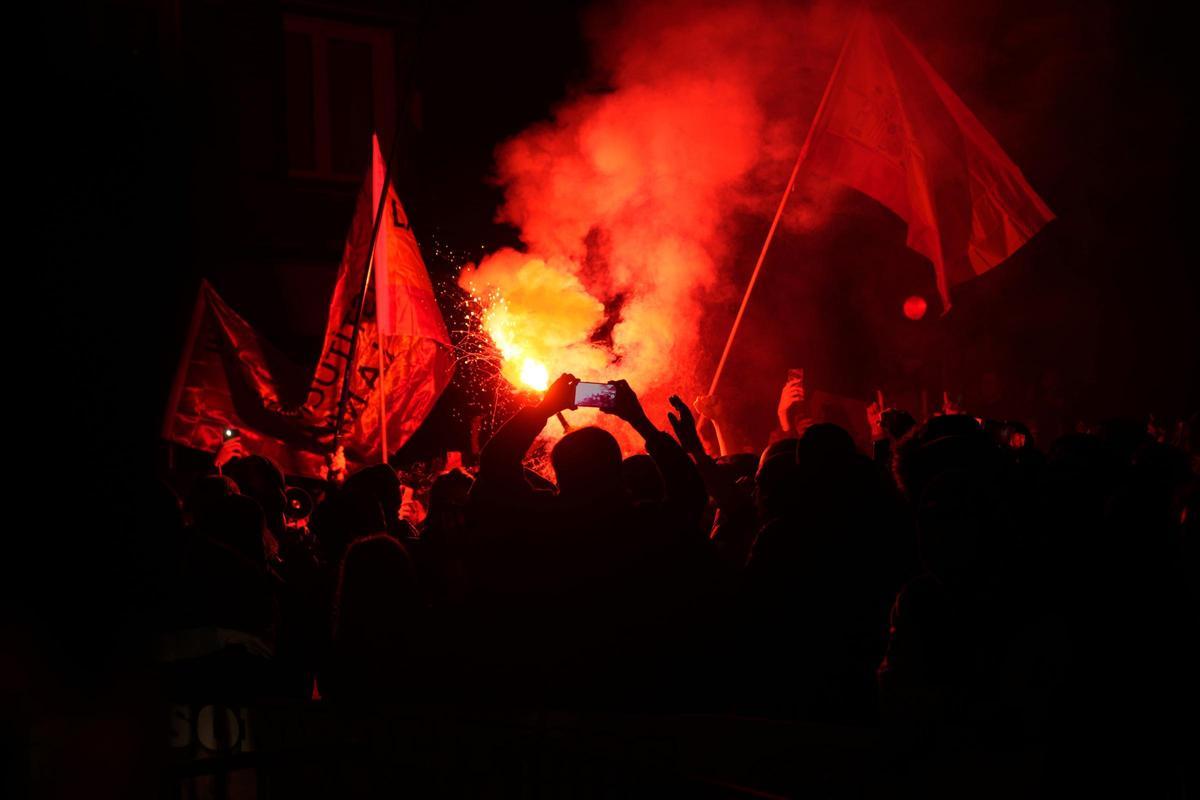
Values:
[(684, 487), (709, 409), (718, 483), (501, 471)]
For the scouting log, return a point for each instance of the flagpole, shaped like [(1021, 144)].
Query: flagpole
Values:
[(737, 321), (362, 299), (382, 388)]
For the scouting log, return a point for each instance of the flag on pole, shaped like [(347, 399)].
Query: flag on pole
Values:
[(404, 294), (229, 379), (401, 315), (891, 128)]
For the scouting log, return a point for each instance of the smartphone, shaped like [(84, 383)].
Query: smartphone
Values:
[(595, 395), (230, 433)]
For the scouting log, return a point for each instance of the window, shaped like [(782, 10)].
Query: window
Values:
[(340, 86)]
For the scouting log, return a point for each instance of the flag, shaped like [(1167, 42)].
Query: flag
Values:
[(400, 315), (230, 379), (404, 294), (890, 127)]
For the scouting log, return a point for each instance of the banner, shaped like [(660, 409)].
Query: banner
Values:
[(891, 128)]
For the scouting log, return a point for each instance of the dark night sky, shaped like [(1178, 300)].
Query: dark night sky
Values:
[(1108, 293)]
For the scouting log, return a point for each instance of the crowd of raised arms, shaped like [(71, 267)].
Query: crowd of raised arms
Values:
[(1026, 594)]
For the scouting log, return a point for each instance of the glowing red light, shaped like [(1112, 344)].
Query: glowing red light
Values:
[(915, 307)]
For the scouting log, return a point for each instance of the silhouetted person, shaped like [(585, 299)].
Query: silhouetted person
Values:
[(813, 602), (258, 477), (442, 542), (227, 607), (642, 480), (568, 582), (380, 483), (378, 626)]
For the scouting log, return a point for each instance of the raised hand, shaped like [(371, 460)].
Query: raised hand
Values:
[(334, 469), (875, 417), (949, 406), (229, 450), (708, 406), (411, 509), (684, 424), (560, 396), (791, 400), (627, 406), (337, 459)]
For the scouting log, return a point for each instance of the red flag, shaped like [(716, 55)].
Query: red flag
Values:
[(404, 294), (230, 379), (417, 358), (890, 127)]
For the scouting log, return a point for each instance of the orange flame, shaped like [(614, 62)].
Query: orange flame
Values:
[(539, 316), (535, 375)]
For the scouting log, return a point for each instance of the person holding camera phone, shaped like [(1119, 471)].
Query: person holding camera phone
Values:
[(604, 570), (587, 461)]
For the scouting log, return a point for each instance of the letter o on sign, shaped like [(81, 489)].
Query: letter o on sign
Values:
[(219, 729)]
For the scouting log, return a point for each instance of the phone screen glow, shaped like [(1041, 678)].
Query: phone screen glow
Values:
[(596, 395)]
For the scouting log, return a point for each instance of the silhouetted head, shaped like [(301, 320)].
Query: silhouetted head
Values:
[(587, 463), (897, 423), (376, 589), (642, 479), (380, 482), (943, 443), (824, 443), (344, 517), (237, 522), (448, 500), (949, 425), (449, 491), (1123, 436), (778, 452), (778, 472), (258, 477)]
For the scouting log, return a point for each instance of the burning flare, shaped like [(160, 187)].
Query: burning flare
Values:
[(626, 200), (539, 316), (535, 375)]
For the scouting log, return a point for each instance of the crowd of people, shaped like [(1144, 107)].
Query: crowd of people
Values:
[(957, 578)]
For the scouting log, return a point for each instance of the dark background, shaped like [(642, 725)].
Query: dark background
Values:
[(166, 153)]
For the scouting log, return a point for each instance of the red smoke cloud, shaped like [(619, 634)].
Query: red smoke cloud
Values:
[(626, 199)]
